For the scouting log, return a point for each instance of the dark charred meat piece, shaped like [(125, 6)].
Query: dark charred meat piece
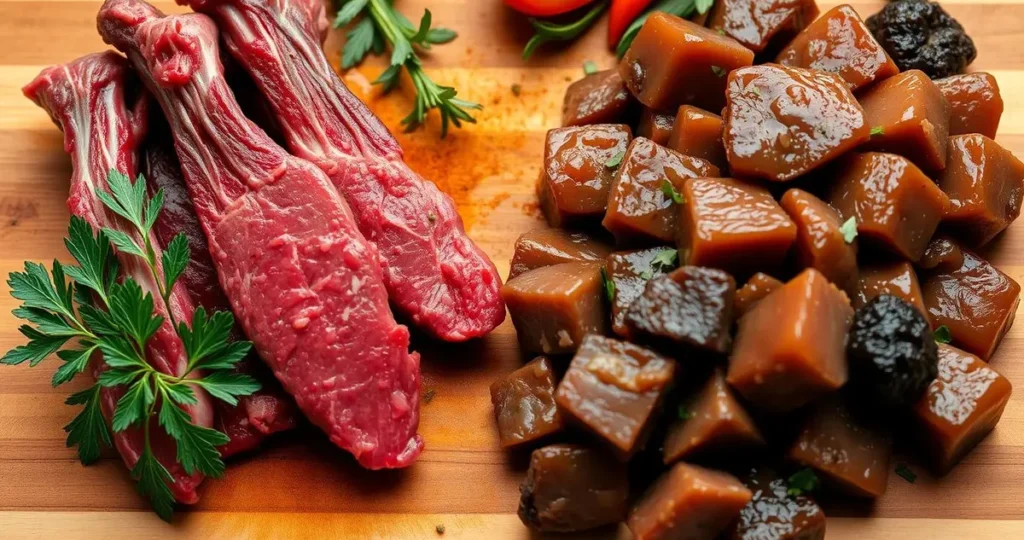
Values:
[(960, 407), (775, 514), (891, 351), (614, 389), (600, 98), (920, 35), (545, 247), (712, 424), (579, 163), (572, 488), (629, 272), (524, 404), (753, 291), (691, 307), (688, 502)]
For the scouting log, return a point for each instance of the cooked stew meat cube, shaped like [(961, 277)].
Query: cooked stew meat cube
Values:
[(753, 291), (656, 126), (629, 272), (577, 176), (614, 389), (545, 247), (698, 133), (713, 423), (553, 307), (775, 514), (790, 348), (599, 98), (896, 278), (975, 103), (573, 488), (673, 62), (783, 122), (762, 25), (820, 241), (524, 404)]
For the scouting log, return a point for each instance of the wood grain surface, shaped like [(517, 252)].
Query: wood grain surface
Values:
[(300, 485)]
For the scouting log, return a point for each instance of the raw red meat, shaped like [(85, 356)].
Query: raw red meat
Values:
[(86, 99), (268, 410), (434, 273), (305, 284)]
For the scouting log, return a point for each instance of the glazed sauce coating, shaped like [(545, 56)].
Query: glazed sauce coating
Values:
[(614, 389), (599, 98), (524, 404), (545, 247), (630, 271), (820, 243), (908, 116), (656, 126), (774, 514), (576, 177), (783, 122), (839, 42), (698, 133), (761, 24), (753, 291), (895, 278), (975, 103)]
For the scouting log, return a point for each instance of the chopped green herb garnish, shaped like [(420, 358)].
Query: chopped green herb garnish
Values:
[(684, 412), (877, 130), (670, 191), (666, 258), (756, 90), (720, 31), (906, 473), (615, 160), (609, 286), (719, 72), (646, 275), (517, 90), (849, 230), (943, 335), (589, 67), (802, 482)]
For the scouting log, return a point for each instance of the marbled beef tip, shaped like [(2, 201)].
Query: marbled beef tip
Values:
[(304, 283), (86, 99), (435, 275)]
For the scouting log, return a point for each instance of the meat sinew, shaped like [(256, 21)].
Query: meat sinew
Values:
[(305, 284), (86, 99), (434, 273)]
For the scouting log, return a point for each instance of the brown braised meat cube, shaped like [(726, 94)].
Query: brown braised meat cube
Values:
[(573, 488), (545, 247), (850, 456), (614, 389), (688, 502), (985, 185), (733, 225), (907, 115), (673, 62), (896, 206), (762, 26), (976, 301), (579, 163), (839, 42), (656, 126), (753, 291), (712, 424), (775, 514), (975, 103), (698, 133), (641, 201), (524, 404), (896, 278), (943, 254), (783, 122), (960, 408), (692, 307), (600, 98), (629, 272), (553, 307), (821, 239), (790, 348)]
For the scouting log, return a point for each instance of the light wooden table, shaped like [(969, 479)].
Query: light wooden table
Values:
[(300, 486)]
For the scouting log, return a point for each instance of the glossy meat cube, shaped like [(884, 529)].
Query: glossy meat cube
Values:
[(629, 272), (688, 502), (553, 307), (656, 126), (753, 291), (691, 307), (713, 423), (577, 174), (839, 42), (985, 185), (614, 389), (774, 514), (783, 122), (896, 278), (675, 62), (524, 404), (790, 348), (975, 103), (907, 115), (732, 225), (762, 26), (820, 241), (698, 133), (545, 247), (640, 205), (896, 206), (960, 407), (600, 98), (573, 488), (849, 456)]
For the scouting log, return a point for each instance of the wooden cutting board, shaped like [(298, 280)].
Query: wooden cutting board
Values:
[(300, 485)]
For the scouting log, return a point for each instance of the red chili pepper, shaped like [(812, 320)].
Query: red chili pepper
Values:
[(546, 8), (623, 13)]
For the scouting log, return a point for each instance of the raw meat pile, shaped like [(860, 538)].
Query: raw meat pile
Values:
[(309, 245)]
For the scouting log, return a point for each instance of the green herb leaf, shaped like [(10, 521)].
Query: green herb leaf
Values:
[(704, 5), (98, 321), (197, 445), (802, 482), (348, 12), (667, 258), (38, 348), (206, 342), (547, 31), (389, 77), (401, 52), (719, 72), (943, 335), (88, 430), (119, 376), (420, 36), (35, 288), (119, 353), (227, 386), (175, 259), (358, 41), (46, 322), (679, 8), (132, 311), (589, 67), (75, 362), (615, 160), (153, 208), (125, 199), (123, 242), (94, 255), (440, 36), (609, 285), (152, 478), (849, 230), (133, 405), (906, 473), (670, 191), (877, 130)]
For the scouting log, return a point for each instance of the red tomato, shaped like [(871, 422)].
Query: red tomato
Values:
[(546, 8), (622, 14)]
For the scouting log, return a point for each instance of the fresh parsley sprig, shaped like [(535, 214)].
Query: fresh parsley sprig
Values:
[(117, 318), (381, 24)]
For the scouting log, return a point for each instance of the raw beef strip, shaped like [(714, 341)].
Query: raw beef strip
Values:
[(267, 411), (305, 284), (435, 274), (86, 99)]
